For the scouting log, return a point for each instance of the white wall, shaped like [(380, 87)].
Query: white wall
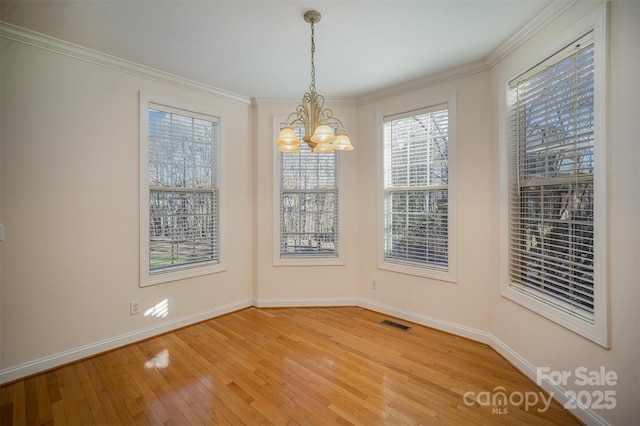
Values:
[(70, 210)]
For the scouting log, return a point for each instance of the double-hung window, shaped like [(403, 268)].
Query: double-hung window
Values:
[(180, 194), (417, 235), (308, 207), (556, 192)]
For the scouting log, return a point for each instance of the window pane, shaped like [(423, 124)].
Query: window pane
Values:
[(416, 178), (552, 226), (309, 222), (183, 196), (183, 228), (180, 151), (418, 227), (308, 203)]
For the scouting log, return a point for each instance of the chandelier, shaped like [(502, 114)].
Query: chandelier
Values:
[(312, 115)]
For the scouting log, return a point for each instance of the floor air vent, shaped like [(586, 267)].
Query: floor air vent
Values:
[(396, 325)]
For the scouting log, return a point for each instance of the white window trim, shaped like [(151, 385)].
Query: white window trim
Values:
[(420, 270), (146, 277), (598, 331), (302, 260)]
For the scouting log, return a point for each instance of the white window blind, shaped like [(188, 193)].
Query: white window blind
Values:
[(183, 189), (308, 203), (552, 191), (416, 188)]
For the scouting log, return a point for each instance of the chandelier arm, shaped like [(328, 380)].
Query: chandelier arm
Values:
[(303, 114), (290, 121), (327, 116), (337, 120)]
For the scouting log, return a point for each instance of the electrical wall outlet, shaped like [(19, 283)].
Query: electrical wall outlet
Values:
[(134, 307), (374, 285)]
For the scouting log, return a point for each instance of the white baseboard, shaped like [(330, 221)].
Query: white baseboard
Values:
[(449, 327), (305, 302), (559, 394), (62, 358)]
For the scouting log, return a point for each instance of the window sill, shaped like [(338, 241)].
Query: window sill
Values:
[(544, 305), (148, 279), (308, 261), (440, 274)]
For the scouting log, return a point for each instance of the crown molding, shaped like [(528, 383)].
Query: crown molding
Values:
[(422, 82), (52, 44), (548, 14)]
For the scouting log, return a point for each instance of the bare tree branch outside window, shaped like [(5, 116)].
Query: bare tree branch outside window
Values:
[(183, 190)]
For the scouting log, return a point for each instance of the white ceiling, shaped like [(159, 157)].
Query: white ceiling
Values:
[(262, 48)]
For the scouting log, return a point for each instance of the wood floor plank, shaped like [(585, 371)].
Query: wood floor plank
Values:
[(6, 404), (19, 404), (285, 366), (31, 393), (44, 404)]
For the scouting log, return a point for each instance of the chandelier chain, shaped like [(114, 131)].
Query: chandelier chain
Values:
[(313, 67)]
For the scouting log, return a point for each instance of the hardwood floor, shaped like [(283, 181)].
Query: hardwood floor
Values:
[(284, 366)]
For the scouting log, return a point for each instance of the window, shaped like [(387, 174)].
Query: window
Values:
[(557, 201), (308, 207), (180, 213), (417, 234)]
